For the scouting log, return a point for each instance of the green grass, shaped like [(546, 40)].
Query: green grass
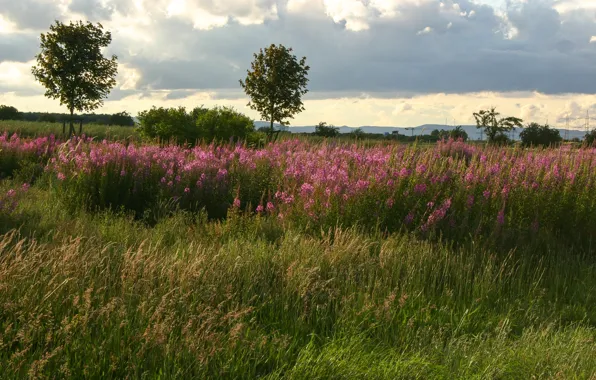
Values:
[(104, 296), (38, 129)]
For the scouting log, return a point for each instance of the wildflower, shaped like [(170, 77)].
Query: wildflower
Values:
[(409, 218), (270, 207), (187, 190), (486, 193), (61, 176), (236, 203), (306, 189), (25, 187), (420, 188), (260, 208), (389, 202), (501, 218)]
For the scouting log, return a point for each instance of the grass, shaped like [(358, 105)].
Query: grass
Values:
[(40, 129), (104, 296)]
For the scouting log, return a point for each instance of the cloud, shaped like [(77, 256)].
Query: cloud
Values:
[(30, 14), (387, 49)]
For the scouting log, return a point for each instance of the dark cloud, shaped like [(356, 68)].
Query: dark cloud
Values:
[(468, 48), (18, 47), (30, 14)]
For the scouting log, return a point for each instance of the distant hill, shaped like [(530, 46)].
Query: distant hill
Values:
[(425, 129)]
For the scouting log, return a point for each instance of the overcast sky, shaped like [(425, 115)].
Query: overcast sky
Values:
[(373, 62)]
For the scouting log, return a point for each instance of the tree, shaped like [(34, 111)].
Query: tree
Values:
[(9, 113), (357, 133), (539, 135), (275, 84), (495, 128), (72, 68), (122, 119), (324, 130), (590, 138), (458, 133)]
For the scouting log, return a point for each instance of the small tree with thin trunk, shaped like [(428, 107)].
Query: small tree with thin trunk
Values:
[(275, 84), (72, 68), (494, 127)]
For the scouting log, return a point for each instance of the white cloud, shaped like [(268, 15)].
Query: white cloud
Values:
[(426, 30)]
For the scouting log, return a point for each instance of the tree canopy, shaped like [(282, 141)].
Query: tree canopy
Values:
[(495, 127), (9, 113), (539, 135), (72, 68), (324, 130), (275, 84)]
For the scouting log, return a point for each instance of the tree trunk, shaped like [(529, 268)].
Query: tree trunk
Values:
[(71, 130), (270, 137)]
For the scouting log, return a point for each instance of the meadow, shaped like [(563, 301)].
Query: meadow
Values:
[(303, 259)]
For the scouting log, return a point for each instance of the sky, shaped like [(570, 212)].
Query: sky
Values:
[(373, 62)]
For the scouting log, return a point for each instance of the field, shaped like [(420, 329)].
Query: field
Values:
[(302, 260)]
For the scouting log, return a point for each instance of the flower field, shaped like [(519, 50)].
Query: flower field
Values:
[(452, 189), (300, 260)]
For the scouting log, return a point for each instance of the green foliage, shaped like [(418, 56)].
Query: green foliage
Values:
[(122, 119), (590, 138), (170, 124), (48, 118), (540, 135), (495, 128), (358, 133), (276, 83), (224, 124), (9, 113), (324, 130), (458, 133), (72, 68)]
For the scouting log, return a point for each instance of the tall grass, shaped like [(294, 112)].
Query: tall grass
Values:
[(42, 129), (103, 296)]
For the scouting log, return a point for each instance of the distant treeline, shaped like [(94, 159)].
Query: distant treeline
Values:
[(123, 119)]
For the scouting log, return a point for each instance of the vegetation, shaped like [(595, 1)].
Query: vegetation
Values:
[(102, 295), (494, 127), (170, 124), (9, 113), (540, 135), (72, 68), (324, 130), (208, 255), (457, 133), (201, 124), (224, 124), (275, 84), (590, 138)]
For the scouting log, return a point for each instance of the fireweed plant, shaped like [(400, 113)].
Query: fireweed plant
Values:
[(452, 189)]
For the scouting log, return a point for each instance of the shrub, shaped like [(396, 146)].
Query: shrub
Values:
[(167, 124), (224, 124), (539, 135)]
